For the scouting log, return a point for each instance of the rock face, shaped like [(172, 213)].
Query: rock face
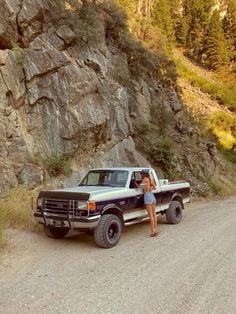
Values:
[(60, 95)]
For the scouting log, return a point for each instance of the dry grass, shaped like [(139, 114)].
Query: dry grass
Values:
[(16, 212)]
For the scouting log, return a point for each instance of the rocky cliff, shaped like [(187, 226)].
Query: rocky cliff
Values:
[(70, 87)]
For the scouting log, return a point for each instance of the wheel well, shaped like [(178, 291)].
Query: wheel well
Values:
[(179, 199), (114, 211)]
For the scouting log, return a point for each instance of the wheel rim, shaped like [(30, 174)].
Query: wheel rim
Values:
[(113, 231), (178, 212)]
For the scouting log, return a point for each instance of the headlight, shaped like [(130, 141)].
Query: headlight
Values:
[(39, 202), (82, 205), (90, 205)]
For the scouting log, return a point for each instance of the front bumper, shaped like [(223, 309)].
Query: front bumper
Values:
[(74, 223)]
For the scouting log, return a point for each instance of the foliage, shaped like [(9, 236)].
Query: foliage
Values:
[(223, 125), (216, 45), (229, 27), (226, 94), (114, 18), (161, 15), (90, 25), (57, 165), (15, 207), (16, 49)]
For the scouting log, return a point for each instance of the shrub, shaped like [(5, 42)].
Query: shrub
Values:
[(16, 49), (223, 126), (89, 24), (57, 165), (114, 18)]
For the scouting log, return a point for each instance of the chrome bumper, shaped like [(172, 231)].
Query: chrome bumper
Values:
[(76, 223)]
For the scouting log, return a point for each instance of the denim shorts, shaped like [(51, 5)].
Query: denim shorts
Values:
[(149, 198)]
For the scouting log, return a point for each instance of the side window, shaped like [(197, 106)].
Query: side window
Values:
[(135, 178), (138, 177)]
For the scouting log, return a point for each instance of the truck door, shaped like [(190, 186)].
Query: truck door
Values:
[(136, 200)]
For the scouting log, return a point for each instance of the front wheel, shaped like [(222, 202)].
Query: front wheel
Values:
[(174, 213), (56, 233), (108, 232)]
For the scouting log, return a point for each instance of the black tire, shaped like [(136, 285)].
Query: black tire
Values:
[(108, 232), (174, 213), (56, 233)]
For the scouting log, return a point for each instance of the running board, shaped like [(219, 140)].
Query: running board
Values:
[(136, 221)]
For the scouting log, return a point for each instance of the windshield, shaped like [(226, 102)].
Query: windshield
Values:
[(115, 178)]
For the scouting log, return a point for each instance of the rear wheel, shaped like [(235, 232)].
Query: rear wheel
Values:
[(108, 232), (174, 213), (56, 233)]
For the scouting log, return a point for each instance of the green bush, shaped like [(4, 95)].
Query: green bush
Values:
[(57, 165), (223, 126)]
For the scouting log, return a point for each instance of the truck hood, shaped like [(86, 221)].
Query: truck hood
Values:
[(81, 192), (94, 190)]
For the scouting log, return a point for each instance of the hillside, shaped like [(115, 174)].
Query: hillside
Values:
[(77, 90)]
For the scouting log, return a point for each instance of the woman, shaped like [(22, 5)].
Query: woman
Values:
[(149, 200)]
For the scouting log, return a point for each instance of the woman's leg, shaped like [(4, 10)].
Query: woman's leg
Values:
[(154, 216), (152, 219)]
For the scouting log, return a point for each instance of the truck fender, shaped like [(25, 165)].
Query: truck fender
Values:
[(177, 197), (114, 210)]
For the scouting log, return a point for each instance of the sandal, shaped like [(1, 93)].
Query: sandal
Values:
[(154, 234)]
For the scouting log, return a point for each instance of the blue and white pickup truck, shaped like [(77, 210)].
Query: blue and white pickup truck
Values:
[(105, 201)]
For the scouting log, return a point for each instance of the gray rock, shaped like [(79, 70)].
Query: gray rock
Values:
[(66, 34), (8, 24), (175, 103), (30, 175)]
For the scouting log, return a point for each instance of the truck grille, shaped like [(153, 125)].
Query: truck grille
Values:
[(60, 207)]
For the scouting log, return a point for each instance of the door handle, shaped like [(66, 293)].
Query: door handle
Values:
[(139, 196)]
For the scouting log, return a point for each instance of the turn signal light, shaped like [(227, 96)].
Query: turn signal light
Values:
[(92, 205)]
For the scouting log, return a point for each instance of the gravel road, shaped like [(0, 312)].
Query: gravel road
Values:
[(189, 268)]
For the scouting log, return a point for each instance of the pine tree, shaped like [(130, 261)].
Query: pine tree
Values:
[(162, 19), (200, 14), (183, 25), (181, 31), (216, 45), (193, 24)]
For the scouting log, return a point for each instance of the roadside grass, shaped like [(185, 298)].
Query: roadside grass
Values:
[(221, 186), (224, 94), (16, 212)]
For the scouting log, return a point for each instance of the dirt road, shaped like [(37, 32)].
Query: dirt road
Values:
[(189, 268)]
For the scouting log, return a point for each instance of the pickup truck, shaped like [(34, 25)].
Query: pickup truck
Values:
[(105, 201)]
